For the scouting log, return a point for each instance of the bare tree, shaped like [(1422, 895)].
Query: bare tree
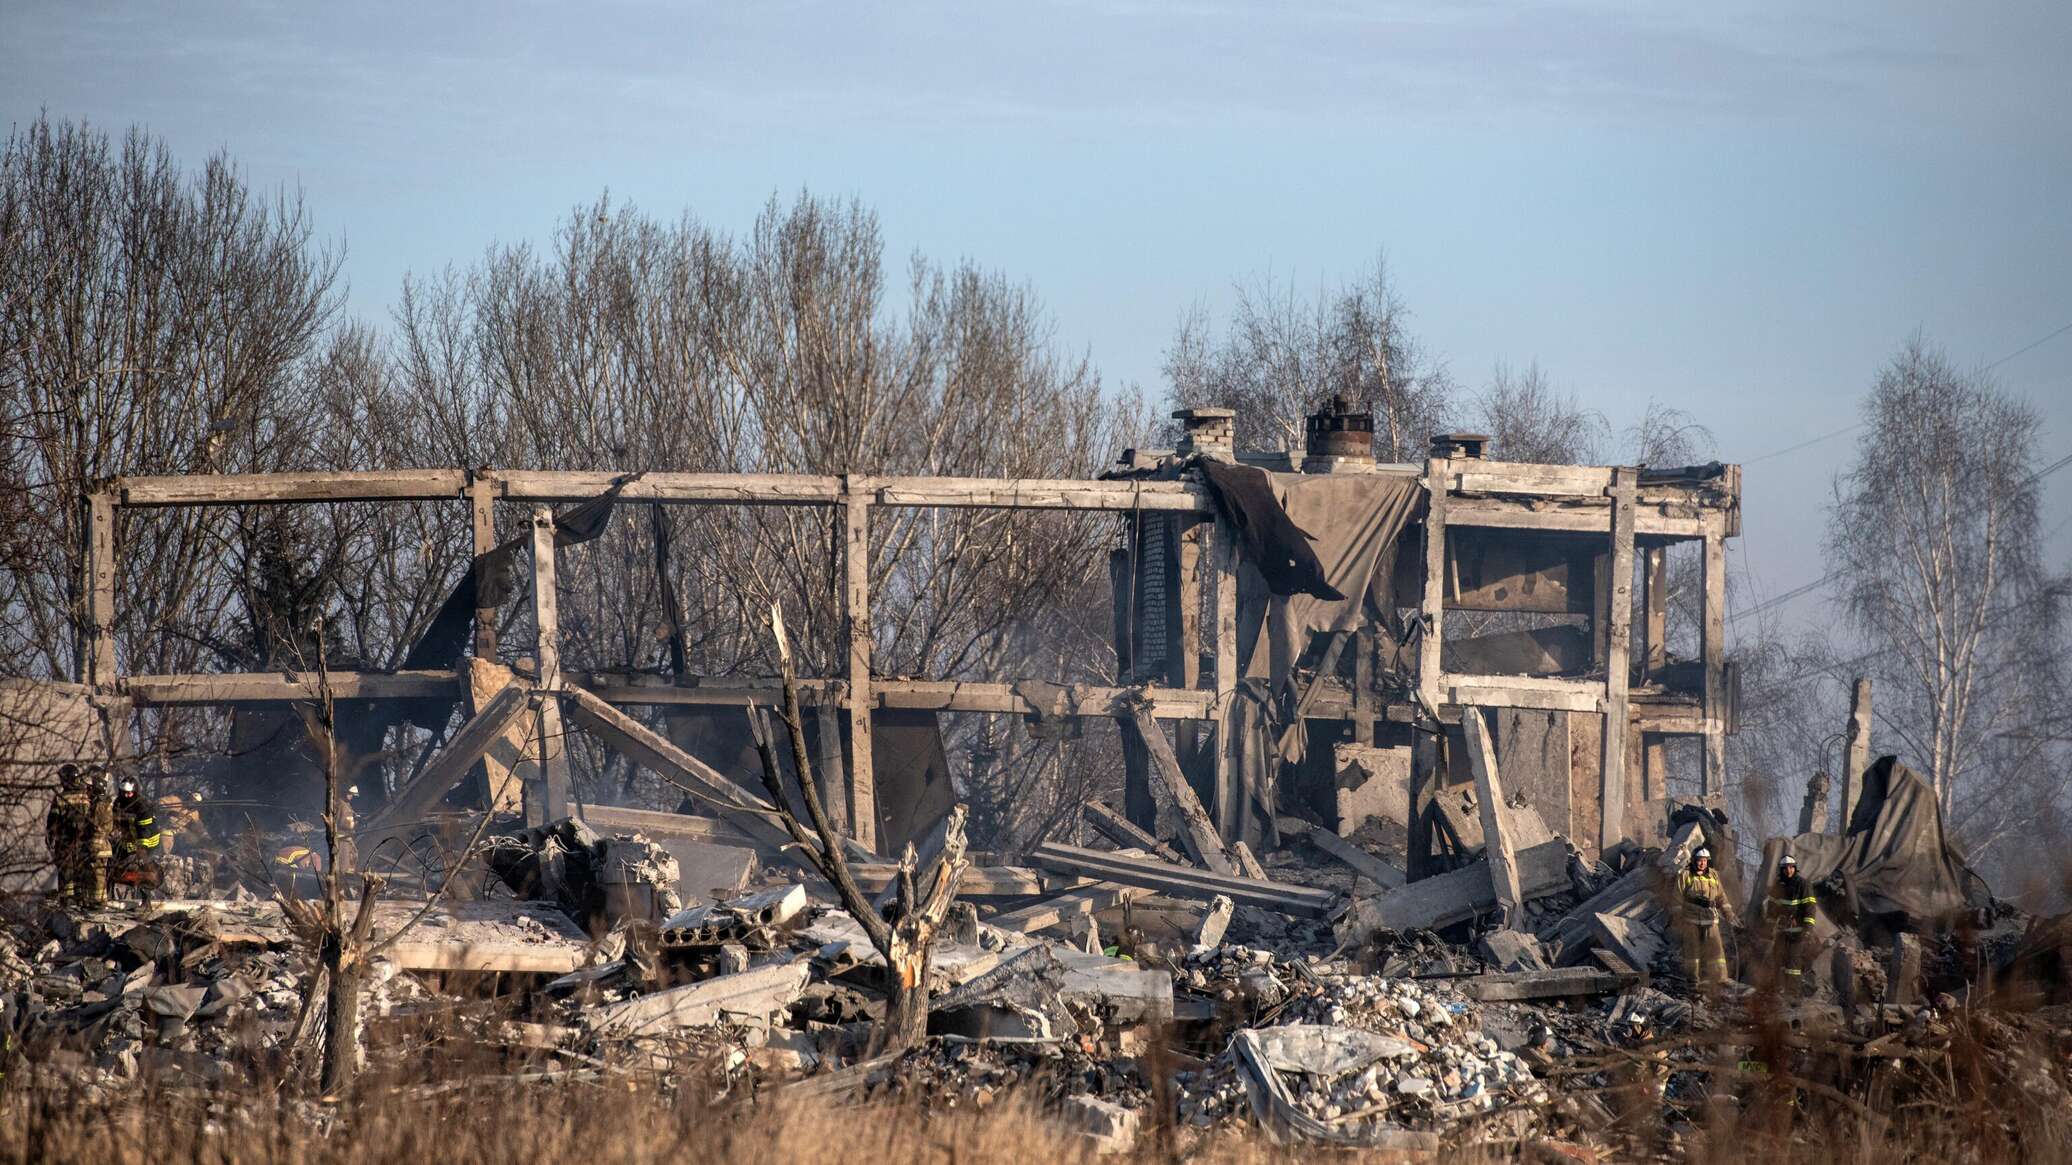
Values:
[(633, 343), (1527, 419), (148, 318), (922, 893), (1282, 355), (1934, 547)]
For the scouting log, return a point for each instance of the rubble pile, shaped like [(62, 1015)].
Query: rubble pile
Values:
[(1100, 1000)]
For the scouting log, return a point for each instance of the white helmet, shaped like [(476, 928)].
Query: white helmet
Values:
[(1703, 853), (1787, 860)]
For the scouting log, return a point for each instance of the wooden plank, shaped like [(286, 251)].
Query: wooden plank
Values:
[(1715, 652), (100, 670), (233, 489), (482, 515), (1120, 830), (1373, 868), (856, 566), (1197, 833), (1233, 805), (1433, 610), (745, 810), (275, 687), (1611, 826), (1498, 853), (1196, 885), (415, 801)]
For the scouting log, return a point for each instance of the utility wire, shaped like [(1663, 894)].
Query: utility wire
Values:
[(2026, 347), (2036, 343), (1830, 576)]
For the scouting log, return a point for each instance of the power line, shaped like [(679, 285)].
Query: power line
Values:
[(2036, 343), (1830, 576), (2026, 347), (1805, 443)]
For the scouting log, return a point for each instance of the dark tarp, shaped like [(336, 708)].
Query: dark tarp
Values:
[(1319, 556), (439, 648), (911, 772), (1273, 542), (1354, 519), (1894, 864)]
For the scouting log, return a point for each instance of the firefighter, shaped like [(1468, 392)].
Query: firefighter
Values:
[(68, 831), (1789, 908), (104, 829), (136, 838), (1701, 905)]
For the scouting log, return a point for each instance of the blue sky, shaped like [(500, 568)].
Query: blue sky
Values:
[(1741, 209)]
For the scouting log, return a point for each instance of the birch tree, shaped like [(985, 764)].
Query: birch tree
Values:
[(1934, 544)]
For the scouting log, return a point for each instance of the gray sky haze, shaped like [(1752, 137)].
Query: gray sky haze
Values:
[(1741, 210)]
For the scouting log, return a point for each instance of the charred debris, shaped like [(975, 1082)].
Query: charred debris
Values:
[(1411, 775)]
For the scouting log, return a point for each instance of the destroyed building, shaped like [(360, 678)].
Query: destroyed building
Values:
[(1405, 733)]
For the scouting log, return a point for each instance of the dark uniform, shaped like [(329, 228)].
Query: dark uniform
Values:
[(71, 832), (1790, 909), (137, 839)]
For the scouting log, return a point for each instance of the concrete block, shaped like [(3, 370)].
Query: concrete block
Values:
[(706, 872), (1111, 1127), (1372, 783)]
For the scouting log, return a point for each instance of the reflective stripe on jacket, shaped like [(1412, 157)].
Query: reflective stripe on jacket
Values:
[(1702, 897)]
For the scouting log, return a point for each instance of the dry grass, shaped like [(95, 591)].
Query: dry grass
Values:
[(164, 1120)]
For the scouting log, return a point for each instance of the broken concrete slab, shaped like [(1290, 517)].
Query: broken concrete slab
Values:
[(1459, 895), (1109, 1126), (1560, 983), (1512, 950), (1214, 923), (1381, 872), (750, 995), (1635, 942), (1060, 908), (750, 918), (708, 872)]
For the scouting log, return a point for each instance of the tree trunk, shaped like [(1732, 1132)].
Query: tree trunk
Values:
[(906, 1012), (342, 1052)]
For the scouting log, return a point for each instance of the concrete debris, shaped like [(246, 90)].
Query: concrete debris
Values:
[(1109, 1126), (752, 920), (1447, 1024), (750, 995)]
